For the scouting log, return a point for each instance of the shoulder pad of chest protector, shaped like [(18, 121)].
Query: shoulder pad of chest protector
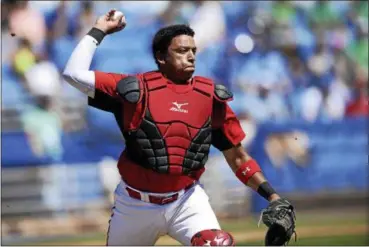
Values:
[(222, 93), (130, 89)]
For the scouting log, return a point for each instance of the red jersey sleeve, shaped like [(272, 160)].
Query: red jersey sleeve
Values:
[(105, 87), (227, 131), (107, 82)]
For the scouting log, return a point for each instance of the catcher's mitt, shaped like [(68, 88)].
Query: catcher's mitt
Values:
[(280, 218)]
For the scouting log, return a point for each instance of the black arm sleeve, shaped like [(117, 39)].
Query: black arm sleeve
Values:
[(219, 141), (103, 102)]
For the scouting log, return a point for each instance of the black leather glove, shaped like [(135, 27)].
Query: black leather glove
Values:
[(280, 218)]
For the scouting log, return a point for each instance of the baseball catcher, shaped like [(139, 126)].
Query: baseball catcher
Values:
[(169, 119)]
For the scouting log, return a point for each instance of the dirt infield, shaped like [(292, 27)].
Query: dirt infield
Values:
[(240, 237), (303, 232)]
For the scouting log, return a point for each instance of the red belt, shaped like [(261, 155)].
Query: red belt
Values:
[(156, 199)]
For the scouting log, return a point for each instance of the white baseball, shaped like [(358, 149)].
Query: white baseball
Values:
[(118, 15)]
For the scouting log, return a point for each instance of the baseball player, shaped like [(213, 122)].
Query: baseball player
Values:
[(169, 119)]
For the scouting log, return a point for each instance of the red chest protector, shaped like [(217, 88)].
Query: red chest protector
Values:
[(170, 130)]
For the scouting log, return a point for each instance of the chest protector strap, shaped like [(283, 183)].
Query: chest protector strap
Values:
[(204, 86), (154, 81)]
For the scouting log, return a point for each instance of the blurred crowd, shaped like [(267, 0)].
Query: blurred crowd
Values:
[(284, 60)]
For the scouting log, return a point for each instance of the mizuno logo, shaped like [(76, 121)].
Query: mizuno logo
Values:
[(178, 107)]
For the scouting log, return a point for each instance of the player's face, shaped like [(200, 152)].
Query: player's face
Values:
[(181, 57)]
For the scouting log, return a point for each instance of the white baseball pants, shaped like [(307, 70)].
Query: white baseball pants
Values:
[(135, 222)]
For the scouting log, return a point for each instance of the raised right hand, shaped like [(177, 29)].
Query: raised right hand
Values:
[(106, 23)]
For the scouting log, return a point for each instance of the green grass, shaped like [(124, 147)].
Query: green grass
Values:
[(351, 240), (303, 220)]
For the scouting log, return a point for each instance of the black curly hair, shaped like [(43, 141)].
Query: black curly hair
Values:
[(164, 36)]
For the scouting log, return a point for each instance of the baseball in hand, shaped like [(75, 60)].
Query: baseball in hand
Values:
[(118, 16), (111, 22)]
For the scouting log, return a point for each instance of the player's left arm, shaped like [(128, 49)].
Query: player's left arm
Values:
[(249, 172), (227, 135), (279, 216)]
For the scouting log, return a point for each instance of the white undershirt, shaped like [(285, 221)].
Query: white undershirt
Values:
[(77, 72)]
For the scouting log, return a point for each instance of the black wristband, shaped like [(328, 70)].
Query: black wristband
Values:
[(265, 190), (97, 34)]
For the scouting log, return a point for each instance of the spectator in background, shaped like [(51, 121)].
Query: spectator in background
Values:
[(283, 13), (138, 13), (264, 81), (8, 46), (264, 65), (23, 58), (57, 22), (326, 96), (358, 50), (29, 24), (336, 100), (65, 20), (172, 13), (86, 18), (298, 74), (44, 6), (42, 121), (338, 37), (299, 81), (263, 74), (322, 14), (209, 23), (326, 105), (266, 106), (63, 28), (320, 65), (359, 14), (43, 128), (343, 67), (43, 79), (358, 106)]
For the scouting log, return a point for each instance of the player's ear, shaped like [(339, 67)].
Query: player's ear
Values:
[(160, 57)]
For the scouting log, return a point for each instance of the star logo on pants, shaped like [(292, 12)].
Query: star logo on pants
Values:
[(218, 240), (207, 243)]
